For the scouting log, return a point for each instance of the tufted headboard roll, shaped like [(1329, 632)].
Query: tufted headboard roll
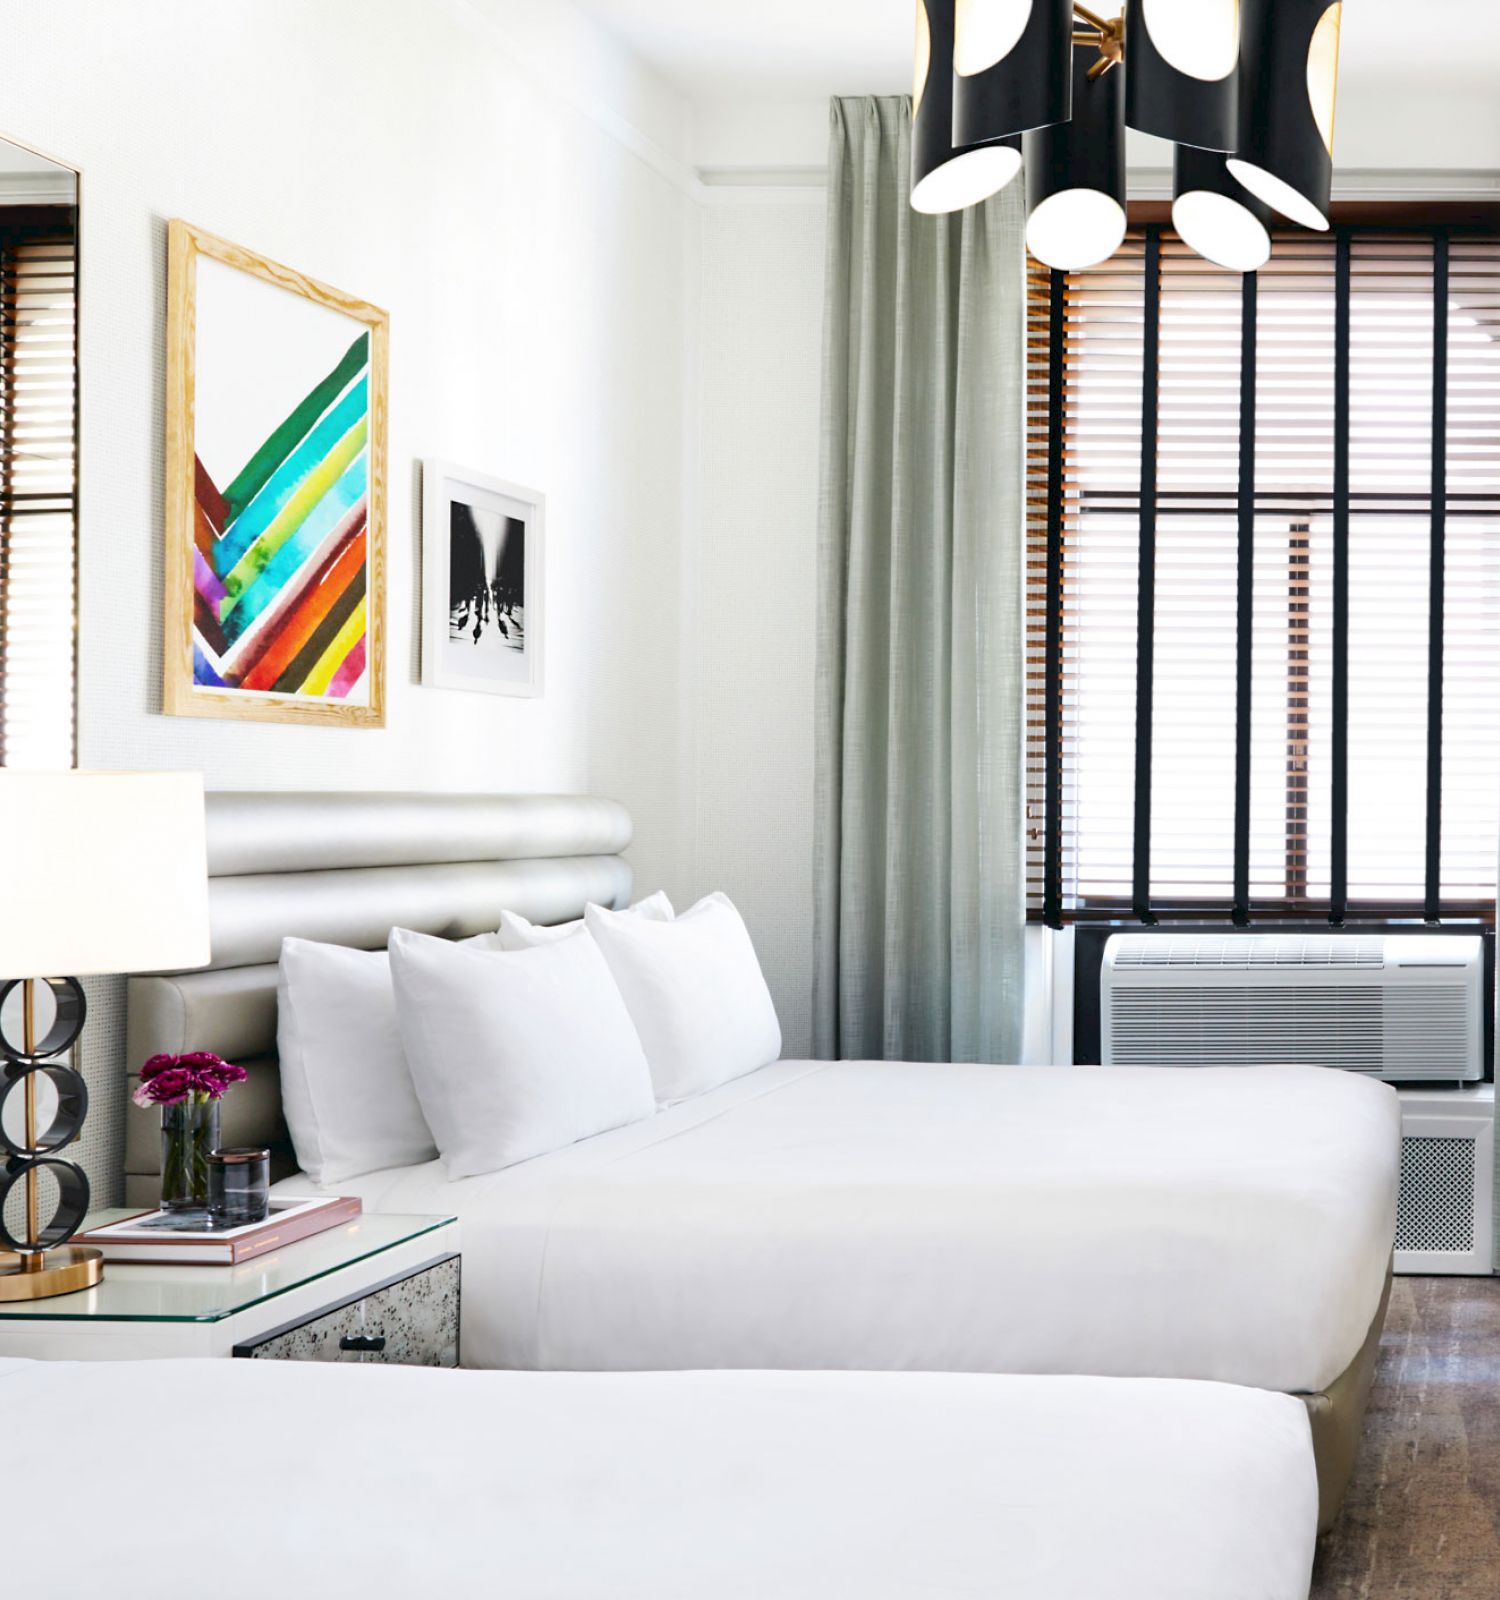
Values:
[(346, 869)]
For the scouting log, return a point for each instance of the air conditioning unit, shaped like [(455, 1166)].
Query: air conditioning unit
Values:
[(1444, 1204), (1401, 1007)]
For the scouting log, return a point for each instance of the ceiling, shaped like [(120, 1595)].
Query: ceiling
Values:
[(795, 49)]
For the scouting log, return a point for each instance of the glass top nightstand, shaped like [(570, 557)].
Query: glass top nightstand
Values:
[(136, 1292)]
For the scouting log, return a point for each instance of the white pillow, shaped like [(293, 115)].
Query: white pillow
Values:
[(695, 993), (515, 1053), (345, 1086), (348, 1097), (516, 933)]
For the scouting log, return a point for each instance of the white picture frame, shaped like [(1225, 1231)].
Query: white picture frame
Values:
[(478, 597)]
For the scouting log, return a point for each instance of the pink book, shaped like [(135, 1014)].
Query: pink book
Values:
[(180, 1238)]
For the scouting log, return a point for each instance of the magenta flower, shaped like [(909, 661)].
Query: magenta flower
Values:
[(169, 1080)]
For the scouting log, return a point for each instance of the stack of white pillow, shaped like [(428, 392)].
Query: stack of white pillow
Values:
[(505, 1046)]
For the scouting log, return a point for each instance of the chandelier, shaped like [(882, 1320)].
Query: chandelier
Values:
[(1244, 89)]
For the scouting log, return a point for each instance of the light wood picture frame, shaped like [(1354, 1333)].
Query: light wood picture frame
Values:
[(483, 582), (274, 597)]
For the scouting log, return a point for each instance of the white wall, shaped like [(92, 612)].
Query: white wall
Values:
[(435, 160), (751, 578), (1424, 124)]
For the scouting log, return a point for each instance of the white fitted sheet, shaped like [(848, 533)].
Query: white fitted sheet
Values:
[(379, 1482), (1231, 1224)]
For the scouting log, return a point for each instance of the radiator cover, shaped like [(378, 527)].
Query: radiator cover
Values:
[(1444, 1220)]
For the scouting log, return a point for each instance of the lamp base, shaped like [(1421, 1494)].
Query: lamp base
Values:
[(66, 1270)]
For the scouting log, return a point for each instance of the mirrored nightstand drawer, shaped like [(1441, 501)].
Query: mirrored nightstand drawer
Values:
[(410, 1321)]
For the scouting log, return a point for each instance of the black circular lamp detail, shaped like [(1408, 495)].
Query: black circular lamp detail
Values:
[(1075, 174), (1181, 70), (69, 1009), (1216, 215), (1289, 54), (944, 177), (47, 1263), (67, 1117), (72, 1203), (1012, 67)]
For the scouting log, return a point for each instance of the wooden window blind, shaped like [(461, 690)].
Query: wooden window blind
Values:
[(38, 488), (1264, 580)]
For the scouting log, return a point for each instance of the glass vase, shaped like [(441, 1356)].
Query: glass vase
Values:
[(189, 1131)]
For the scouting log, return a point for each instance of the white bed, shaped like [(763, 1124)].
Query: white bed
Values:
[(252, 1479), (1229, 1224)]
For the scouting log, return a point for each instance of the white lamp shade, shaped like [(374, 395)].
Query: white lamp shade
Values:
[(102, 872)]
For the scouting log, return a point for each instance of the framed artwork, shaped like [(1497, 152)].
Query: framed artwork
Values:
[(482, 566), (274, 608)]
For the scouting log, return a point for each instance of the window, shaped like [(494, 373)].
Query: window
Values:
[(38, 405), (1264, 580)]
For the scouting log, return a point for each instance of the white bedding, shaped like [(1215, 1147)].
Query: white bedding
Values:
[(248, 1479), (1231, 1224)]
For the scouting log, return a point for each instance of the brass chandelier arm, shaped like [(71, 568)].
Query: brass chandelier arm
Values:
[(1109, 36)]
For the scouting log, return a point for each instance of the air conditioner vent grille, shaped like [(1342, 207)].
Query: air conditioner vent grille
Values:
[(1250, 951), (1401, 1006), (1367, 1029), (1435, 1208)]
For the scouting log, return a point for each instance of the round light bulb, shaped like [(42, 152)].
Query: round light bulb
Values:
[(1221, 230), (1076, 228), (971, 176)]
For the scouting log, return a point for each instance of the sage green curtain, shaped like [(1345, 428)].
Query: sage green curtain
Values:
[(919, 896)]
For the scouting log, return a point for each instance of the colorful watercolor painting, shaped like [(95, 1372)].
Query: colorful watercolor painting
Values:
[(275, 492)]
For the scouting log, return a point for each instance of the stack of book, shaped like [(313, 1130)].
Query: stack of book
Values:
[(189, 1238)]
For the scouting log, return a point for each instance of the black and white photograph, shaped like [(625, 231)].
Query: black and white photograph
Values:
[(482, 602)]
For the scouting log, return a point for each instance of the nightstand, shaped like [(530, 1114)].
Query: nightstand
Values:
[(380, 1288)]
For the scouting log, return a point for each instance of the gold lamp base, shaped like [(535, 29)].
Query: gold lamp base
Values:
[(66, 1270)]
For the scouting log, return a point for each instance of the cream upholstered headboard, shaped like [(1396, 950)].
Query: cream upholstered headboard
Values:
[(346, 869)]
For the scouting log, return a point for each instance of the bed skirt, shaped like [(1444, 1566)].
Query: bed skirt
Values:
[(1337, 1414)]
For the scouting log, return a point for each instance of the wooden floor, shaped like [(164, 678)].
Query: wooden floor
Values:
[(1422, 1518)]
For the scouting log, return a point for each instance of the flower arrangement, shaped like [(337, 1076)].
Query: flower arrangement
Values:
[(188, 1090), (173, 1080)]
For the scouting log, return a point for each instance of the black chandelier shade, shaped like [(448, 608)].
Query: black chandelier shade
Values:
[(1244, 90), (1181, 75), (945, 178), (1216, 215), (1288, 77), (1075, 173), (1012, 67)]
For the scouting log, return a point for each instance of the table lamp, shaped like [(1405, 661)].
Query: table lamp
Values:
[(100, 872)]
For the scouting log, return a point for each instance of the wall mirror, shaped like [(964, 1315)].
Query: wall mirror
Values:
[(38, 459)]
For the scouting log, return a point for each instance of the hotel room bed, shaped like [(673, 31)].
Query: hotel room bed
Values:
[(385, 1481), (1227, 1224), (1233, 1225)]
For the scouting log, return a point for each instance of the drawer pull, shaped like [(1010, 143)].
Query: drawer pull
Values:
[(374, 1343)]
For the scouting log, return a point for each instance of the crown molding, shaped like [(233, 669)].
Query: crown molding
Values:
[(789, 184), (1356, 183)]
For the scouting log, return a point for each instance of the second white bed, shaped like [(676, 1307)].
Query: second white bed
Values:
[(1229, 1224), (247, 1479)]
